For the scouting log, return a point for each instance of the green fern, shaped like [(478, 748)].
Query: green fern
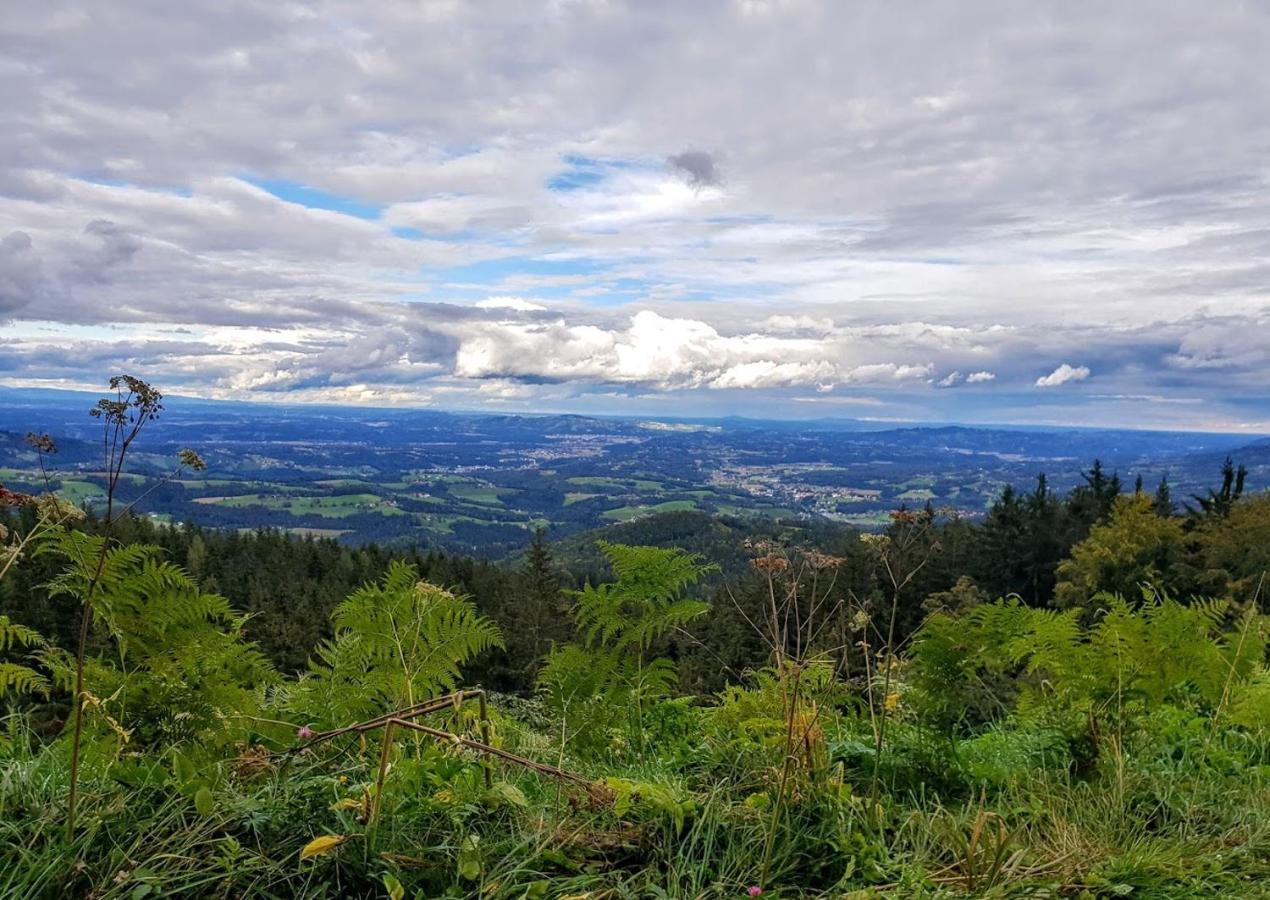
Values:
[(13, 634), (607, 680), (21, 680), (1047, 665), (396, 642), (182, 669)]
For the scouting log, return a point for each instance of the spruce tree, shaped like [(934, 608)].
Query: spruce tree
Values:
[(1164, 498)]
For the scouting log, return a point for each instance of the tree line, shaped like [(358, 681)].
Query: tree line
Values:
[(1050, 550)]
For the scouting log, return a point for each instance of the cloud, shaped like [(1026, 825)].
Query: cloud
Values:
[(116, 246), (884, 220), (519, 304), (668, 353), (34, 280), (1062, 375), (21, 276), (698, 167)]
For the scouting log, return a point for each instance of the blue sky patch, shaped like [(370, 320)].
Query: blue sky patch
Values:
[(583, 172), (314, 198)]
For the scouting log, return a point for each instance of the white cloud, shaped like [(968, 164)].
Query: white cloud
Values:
[(670, 353), (519, 304), (587, 199), (1062, 375)]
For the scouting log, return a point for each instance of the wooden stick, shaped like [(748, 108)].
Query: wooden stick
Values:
[(385, 753), (489, 768), (541, 768), (409, 712)]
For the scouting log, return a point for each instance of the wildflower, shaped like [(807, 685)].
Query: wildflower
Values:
[(754, 891), (304, 732)]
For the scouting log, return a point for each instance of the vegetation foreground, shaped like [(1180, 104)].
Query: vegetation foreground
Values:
[(1098, 744)]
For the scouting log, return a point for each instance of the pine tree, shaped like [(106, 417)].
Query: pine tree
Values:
[(1164, 498), (1091, 502), (1217, 504), (1004, 531), (542, 606), (1043, 546)]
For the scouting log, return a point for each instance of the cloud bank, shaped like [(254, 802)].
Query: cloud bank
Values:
[(713, 207)]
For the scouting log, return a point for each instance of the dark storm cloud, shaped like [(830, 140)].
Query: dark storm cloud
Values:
[(698, 167)]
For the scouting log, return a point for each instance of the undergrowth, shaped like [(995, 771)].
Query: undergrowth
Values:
[(1120, 748)]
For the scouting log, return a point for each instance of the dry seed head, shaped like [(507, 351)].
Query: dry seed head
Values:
[(41, 442), (14, 498), (771, 563)]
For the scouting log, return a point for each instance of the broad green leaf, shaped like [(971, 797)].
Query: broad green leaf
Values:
[(393, 886), (183, 769), (204, 802), (509, 793)]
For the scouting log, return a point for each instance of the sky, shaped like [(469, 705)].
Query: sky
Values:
[(993, 212)]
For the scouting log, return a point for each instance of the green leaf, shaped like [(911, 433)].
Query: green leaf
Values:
[(393, 886), (470, 858), (509, 793), (204, 802), (183, 769)]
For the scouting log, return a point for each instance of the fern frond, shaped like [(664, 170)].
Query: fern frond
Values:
[(22, 680), (662, 620), (396, 641), (13, 635)]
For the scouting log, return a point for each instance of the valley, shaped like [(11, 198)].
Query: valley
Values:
[(479, 483)]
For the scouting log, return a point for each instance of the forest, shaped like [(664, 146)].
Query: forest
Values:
[(1067, 697)]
